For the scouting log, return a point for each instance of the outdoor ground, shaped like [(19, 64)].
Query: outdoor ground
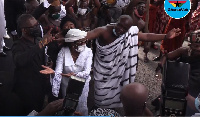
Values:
[(145, 75)]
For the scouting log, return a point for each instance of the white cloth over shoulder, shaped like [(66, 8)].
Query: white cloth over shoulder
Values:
[(74, 35), (115, 66)]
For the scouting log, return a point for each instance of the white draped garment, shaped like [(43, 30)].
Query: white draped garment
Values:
[(115, 66)]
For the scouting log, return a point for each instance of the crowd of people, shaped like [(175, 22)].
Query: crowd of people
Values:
[(57, 39)]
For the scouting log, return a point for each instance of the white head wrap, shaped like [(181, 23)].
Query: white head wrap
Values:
[(74, 35)]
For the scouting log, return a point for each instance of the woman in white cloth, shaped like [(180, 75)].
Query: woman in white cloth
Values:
[(73, 59)]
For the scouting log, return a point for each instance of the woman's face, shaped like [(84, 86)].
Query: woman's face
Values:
[(69, 25), (79, 43)]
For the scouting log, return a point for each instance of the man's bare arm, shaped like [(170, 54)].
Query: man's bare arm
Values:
[(157, 37), (69, 3), (97, 32), (173, 55), (97, 5), (150, 36)]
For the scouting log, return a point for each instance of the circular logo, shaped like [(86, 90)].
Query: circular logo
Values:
[(177, 8)]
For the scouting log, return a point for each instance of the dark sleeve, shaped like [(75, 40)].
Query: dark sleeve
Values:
[(24, 56), (39, 11)]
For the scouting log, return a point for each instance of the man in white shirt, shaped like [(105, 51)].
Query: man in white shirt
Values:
[(2, 30)]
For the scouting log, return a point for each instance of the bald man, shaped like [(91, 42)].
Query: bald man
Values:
[(116, 58), (134, 97)]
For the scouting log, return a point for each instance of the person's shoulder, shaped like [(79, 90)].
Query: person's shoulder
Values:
[(102, 29), (134, 29), (18, 42), (64, 49), (109, 26)]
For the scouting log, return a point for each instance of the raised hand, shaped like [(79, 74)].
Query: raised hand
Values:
[(59, 38), (47, 70), (47, 37), (173, 33)]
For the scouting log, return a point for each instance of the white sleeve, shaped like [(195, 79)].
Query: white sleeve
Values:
[(87, 66), (46, 4), (58, 70)]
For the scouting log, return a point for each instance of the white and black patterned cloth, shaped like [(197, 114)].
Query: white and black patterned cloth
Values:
[(104, 112), (115, 66)]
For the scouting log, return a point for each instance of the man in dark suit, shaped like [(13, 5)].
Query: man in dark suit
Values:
[(28, 55)]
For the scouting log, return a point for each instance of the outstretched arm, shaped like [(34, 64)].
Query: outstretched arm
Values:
[(174, 55), (157, 37), (150, 36), (95, 33), (170, 56)]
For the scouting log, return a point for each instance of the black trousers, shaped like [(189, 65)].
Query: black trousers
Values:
[(13, 9)]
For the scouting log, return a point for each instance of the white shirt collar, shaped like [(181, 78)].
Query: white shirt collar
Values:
[(80, 60)]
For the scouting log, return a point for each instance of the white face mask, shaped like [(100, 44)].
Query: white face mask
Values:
[(81, 11), (81, 48)]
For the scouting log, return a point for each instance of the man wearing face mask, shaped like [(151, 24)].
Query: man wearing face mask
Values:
[(115, 60), (28, 55), (85, 18), (136, 10)]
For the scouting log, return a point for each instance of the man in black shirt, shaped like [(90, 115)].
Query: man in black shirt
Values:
[(28, 55)]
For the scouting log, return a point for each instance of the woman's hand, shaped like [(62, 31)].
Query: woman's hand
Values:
[(47, 70), (68, 75)]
